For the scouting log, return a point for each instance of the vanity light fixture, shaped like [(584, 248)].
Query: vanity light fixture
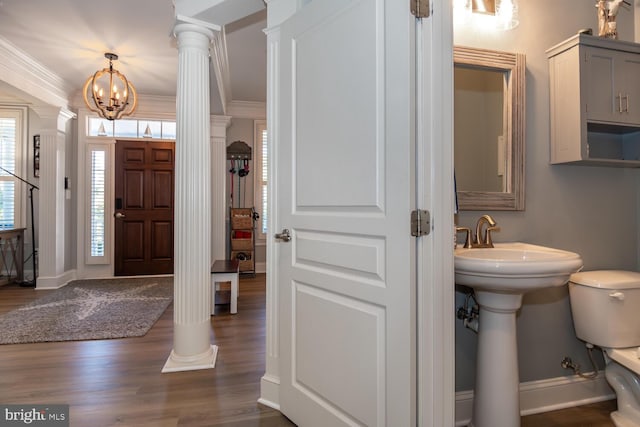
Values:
[(496, 14), (109, 93), (507, 14)]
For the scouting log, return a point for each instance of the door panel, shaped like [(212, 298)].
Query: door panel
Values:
[(328, 377), (144, 185), (161, 181), (134, 189), (345, 188), (162, 236)]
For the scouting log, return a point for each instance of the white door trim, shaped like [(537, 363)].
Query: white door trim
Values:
[(434, 156)]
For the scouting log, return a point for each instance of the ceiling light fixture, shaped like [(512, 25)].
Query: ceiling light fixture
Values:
[(109, 93)]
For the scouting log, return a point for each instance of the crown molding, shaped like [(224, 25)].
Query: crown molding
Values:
[(57, 117), (218, 120), (279, 11), (27, 75), (220, 65), (149, 106)]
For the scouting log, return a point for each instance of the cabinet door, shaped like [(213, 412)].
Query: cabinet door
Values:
[(627, 75), (613, 87), (600, 80)]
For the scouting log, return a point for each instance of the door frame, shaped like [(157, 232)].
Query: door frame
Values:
[(434, 147), (435, 192)]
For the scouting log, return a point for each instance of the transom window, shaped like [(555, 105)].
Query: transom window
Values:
[(124, 128)]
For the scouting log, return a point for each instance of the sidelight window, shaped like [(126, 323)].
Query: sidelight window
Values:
[(12, 140), (98, 224), (261, 174)]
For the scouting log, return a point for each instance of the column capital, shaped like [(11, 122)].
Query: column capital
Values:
[(193, 26), (219, 125), (54, 117)]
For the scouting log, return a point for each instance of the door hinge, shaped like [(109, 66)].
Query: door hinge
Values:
[(420, 8), (420, 222)]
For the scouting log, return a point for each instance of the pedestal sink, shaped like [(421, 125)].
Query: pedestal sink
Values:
[(500, 276)]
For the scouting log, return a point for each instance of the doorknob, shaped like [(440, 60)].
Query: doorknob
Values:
[(285, 236), (119, 215)]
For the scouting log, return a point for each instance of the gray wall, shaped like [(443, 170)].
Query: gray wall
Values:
[(585, 209)]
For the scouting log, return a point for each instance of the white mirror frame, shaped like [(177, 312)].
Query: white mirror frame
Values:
[(514, 68)]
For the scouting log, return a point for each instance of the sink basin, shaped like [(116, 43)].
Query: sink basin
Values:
[(514, 267), (500, 276)]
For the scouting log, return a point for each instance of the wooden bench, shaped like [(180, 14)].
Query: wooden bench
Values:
[(225, 271)]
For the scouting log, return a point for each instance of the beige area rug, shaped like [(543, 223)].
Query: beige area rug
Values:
[(90, 310)]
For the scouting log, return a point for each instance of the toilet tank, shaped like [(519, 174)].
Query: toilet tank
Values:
[(605, 305)]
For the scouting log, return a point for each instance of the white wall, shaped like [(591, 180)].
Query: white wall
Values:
[(589, 210), (242, 129)]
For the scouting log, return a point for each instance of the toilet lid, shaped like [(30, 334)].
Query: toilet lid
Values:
[(627, 357), (607, 279)]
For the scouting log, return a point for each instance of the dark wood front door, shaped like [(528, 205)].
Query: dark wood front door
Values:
[(144, 207)]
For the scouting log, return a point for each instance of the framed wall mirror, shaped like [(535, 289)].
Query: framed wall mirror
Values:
[(489, 128)]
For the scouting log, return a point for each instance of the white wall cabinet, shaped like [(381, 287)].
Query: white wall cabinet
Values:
[(595, 102)]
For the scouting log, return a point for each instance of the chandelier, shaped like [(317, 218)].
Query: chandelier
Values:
[(109, 93)]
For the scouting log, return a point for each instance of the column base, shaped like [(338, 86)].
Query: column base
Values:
[(206, 360)]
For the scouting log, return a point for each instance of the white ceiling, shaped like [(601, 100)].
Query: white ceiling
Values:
[(70, 37)]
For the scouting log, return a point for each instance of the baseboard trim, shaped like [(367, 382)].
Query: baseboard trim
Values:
[(261, 267), (270, 391), (546, 395), (55, 282)]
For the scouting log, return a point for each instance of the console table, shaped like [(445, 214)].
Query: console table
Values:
[(12, 253)]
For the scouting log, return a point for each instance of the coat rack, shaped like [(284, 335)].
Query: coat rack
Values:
[(238, 150)]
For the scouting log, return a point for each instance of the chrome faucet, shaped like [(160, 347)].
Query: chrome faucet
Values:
[(484, 240)]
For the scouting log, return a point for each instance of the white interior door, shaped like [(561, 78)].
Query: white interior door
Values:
[(344, 187)]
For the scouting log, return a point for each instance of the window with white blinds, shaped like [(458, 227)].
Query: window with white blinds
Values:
[(261, 151), (98, 226), (12, 137)]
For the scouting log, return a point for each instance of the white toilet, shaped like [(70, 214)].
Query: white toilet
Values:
[(606, 312)]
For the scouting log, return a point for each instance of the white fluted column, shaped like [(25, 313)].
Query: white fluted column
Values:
[(219, 125), (51, 218), (192, 249)]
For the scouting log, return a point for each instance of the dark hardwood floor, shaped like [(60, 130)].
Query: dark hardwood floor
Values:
[(118, 382), (594, 415)]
